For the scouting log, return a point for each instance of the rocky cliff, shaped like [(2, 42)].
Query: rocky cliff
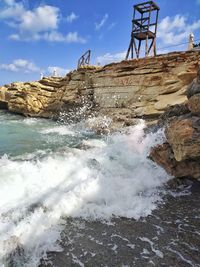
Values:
[(180, 154), (122, 91)]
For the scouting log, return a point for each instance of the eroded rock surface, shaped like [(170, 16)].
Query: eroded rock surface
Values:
[(164, 156), (180, 155), (184, 137), (142, 88)]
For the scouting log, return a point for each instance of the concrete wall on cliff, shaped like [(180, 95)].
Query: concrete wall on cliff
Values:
[(122, 91)]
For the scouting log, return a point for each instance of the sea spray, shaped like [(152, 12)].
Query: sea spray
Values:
[(114, 177)]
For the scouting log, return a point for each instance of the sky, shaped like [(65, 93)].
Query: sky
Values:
[(40, 36)]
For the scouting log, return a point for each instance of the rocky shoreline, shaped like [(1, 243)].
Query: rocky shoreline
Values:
[(180, 154), (117, 95), (165, 91), (123, 91)]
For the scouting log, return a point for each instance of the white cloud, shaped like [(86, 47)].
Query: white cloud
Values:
[(41, 23), (41, 19), (53, 36), (109, 58), (72, 17), (20, 65), (26, 66), (12, 11), (99, 25), (73, 37), (59, 71), (174, 30)]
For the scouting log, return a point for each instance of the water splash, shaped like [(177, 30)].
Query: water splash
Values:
[(113, 177)]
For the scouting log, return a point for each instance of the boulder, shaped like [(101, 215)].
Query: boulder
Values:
[(163, 156), (194, 87), (180, 155), (183, 135), (194, 104)]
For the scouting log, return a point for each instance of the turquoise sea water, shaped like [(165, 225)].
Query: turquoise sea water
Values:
[(20, 135)]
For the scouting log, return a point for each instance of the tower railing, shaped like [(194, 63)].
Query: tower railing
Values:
[(84, 60)]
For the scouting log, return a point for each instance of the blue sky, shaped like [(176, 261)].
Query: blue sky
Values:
[(38, 36)]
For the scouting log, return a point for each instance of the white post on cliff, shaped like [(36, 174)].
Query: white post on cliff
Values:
[(55, 73), (191, 42)]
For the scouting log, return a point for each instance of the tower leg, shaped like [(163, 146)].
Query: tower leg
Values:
[(150, 47), (154, 47), (136, 50), (139, 46), (146, 51), (132, 54), (129, 49)]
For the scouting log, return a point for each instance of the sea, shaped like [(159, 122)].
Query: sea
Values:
[(70, 197)]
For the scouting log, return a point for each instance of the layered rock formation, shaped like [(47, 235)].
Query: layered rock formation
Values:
[(180, 155), (142, 88)]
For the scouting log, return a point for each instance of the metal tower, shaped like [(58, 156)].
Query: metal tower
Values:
[(144, 28)]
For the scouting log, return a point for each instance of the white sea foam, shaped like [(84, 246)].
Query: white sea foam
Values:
[(61, 130), (116, 179), (156, 251), (94, 143), (30, 121)]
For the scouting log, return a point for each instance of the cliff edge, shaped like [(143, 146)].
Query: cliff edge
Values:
[(142, 88)]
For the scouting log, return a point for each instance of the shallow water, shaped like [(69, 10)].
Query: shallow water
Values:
[(92, 200), (169, 237)]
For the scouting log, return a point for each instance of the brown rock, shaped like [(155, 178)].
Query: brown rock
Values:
[(52, 81), (194, 103), (165, 101), (173, 111), (163, 156), (187, 77), (194, 87), (183, 136), (146, 87), (181, 155)]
